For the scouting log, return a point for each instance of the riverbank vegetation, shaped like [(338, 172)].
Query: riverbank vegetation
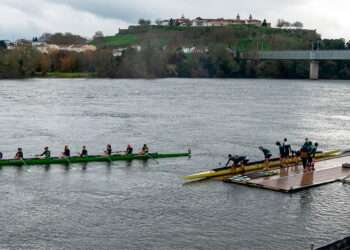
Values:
[(175, 52)]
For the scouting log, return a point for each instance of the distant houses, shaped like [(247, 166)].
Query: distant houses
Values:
[(46, 48), (217, 22)]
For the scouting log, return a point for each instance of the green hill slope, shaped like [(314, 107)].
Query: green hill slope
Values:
[(241, 37)]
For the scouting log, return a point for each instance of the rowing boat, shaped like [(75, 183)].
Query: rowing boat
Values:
[(257, 165), (90, 158)]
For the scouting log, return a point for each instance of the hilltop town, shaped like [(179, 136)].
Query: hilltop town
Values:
[(216, 22)]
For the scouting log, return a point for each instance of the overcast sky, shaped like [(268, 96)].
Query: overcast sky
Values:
[(28, 18)]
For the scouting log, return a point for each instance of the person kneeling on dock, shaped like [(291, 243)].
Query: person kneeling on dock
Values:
[(19, 154), (267, 155), (129, 149), (236, 160), (66, 151), (84, 152), (46, 153)]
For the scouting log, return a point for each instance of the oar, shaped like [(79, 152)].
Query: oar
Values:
[(117, 152), (150, 156), (24, 163)]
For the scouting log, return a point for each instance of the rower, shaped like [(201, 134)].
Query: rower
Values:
[(267, 155), (108, 150), (144, 150), (1, 155), (66, 151), (84, 152), (129, 149), (19, 154), (46, 152)]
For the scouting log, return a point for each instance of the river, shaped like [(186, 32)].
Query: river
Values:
[(142, 205)]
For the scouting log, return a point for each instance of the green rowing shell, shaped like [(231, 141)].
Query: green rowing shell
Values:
[(90, 158)]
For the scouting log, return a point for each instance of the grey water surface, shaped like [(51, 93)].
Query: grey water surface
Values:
[(144, 205)]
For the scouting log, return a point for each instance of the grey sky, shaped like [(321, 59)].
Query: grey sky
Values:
[(27, 18)]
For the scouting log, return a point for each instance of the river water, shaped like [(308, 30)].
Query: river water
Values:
[(142, 205)]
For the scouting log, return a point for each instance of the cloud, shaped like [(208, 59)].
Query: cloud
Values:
[(34, 17), (30, 17)]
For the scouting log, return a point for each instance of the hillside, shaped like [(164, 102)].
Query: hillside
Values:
[(241, 37)]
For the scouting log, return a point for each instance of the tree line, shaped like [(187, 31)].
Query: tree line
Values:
[(154, 62)]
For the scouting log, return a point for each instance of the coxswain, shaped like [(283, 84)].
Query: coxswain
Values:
[(66, 151), (46, 153), (145, 149), (19, 154), (267, 156), (84, 152), (108, 150), (129, 149)]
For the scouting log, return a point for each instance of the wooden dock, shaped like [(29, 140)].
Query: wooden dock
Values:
[(294, 178)]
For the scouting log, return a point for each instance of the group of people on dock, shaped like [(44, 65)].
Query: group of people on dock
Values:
[(84, 152), (306, 153)]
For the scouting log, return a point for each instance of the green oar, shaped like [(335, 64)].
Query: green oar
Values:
[(24, 163), (150, 156), (68, 161)]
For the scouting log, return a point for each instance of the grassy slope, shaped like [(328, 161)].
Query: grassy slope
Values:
[(242, 37)]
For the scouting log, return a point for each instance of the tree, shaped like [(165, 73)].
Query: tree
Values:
[(3, 45), (144, 22), (98, 35), (281, 23), (333, 44), (298, 25), (264, 24), (158, 22), (66, 39)]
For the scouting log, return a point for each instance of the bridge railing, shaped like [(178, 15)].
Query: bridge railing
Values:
[(310, 55)]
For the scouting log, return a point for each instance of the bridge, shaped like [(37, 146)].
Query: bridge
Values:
[(313, 56)]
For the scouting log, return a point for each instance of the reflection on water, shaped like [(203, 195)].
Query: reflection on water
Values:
[(143, 205)]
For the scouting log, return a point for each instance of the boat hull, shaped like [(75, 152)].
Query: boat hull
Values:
[(253, 166), (86, 159)]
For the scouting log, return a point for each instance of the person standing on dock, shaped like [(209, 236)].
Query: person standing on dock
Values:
[(84, 152), (66, 151), (108, 150), (19, 154), (46, 153), (312, 155), (282, 153), (304, 154), (267, 155)]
